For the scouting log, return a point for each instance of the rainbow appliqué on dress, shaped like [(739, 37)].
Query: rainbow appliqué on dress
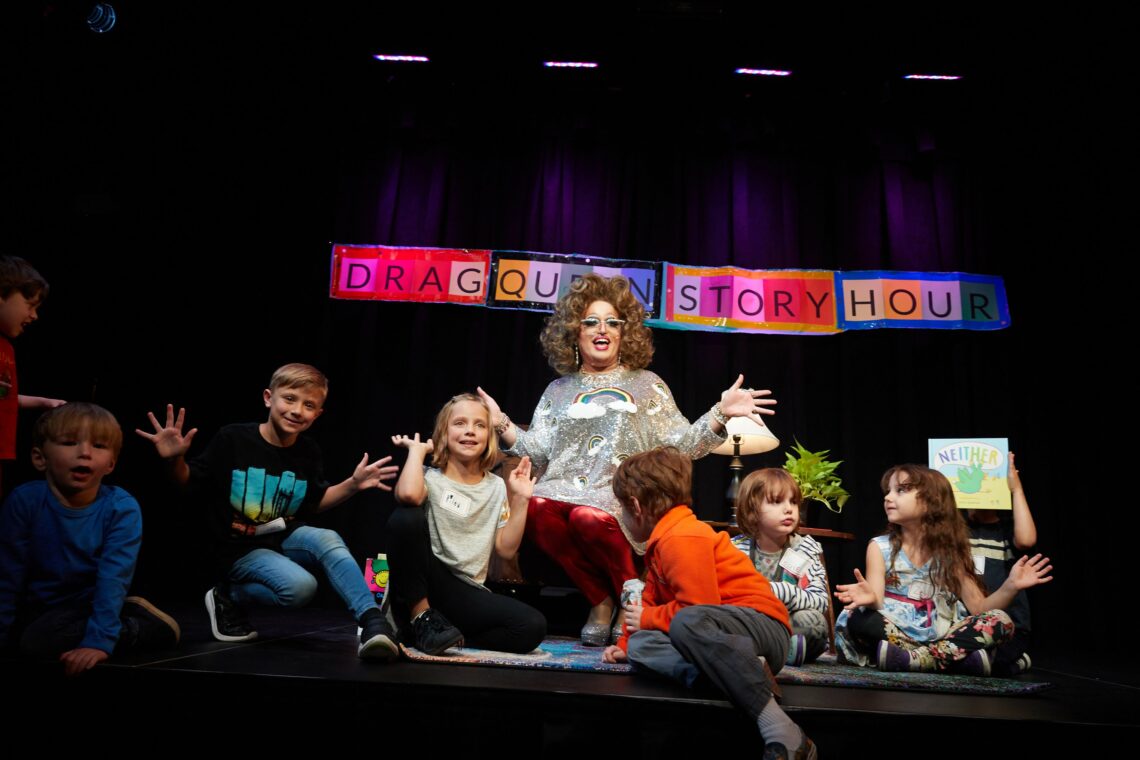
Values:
[(594, 403)]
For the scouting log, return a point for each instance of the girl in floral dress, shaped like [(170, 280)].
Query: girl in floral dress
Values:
[(921, 607)]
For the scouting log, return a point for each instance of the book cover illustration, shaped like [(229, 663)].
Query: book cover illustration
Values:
[(976, 468)]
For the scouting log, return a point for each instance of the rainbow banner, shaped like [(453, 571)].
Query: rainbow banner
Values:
[(391, 273), (941, 300), (730, 299), (748, 300), (535, 281)]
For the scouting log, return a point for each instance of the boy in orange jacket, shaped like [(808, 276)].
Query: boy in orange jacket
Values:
[(704, 610)]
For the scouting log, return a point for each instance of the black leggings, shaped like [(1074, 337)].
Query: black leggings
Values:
[(487, 620)]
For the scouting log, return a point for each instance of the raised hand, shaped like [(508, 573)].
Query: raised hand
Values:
[(1027, 572), (493, 405), (1013, 477), (413, 444), (745, 402), (168, 439), (857, 594), (373, 475), (496, 412), (519, 482)]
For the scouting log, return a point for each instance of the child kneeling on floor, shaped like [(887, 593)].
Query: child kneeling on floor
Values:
[(705, 611), (68, 548)]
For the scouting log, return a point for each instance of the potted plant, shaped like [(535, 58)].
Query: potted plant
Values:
[(815, 475)]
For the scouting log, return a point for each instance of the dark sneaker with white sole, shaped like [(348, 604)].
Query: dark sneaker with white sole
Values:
[(227, 619), (377, 639)]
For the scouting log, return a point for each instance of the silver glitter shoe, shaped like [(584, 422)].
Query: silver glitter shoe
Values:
[(596, 634)]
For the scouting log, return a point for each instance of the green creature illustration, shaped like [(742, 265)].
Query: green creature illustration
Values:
[(970, 478)]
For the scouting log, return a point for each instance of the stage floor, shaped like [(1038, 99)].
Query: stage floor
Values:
[(303, 674)]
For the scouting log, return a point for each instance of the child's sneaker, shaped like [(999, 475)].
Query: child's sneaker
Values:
[(797, 650), (976, 663), (227, 619), (434, 633), (893, 659), (377, 639), (777, 751), (154, 629), (1021, 664)]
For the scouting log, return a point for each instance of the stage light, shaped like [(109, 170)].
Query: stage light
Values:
[(570, 64), (947, 77), (102, 18), (765, 72), (401, 58)]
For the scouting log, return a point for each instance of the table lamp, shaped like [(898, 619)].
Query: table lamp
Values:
[(745, 436)]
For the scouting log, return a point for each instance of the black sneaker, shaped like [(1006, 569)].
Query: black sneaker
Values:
[(154, 628), (434, 634), (227, 619), (377, 639)]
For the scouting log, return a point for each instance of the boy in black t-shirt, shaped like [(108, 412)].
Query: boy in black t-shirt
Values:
[(258, 482)]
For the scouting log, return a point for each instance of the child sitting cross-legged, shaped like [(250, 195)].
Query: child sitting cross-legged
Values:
[(768, 510), (921, 607), (705, 611)]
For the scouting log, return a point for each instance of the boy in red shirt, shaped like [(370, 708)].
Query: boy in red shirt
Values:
[(705, 610), (22, 290)]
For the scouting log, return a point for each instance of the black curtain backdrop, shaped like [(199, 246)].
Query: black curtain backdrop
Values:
[(180, 188)]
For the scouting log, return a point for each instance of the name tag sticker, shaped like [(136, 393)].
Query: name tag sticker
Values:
[(795, 562), (456, 503)]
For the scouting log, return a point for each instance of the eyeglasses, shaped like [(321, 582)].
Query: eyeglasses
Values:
[(612, 323)]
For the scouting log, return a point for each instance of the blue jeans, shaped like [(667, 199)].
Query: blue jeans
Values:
[(280, 579)]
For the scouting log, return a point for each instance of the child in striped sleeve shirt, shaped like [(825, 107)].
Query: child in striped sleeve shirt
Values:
[(768, 511)]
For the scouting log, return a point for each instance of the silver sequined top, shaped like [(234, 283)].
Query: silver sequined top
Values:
[(586, 424)]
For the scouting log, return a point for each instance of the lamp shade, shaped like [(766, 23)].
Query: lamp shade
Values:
[(755, 438)]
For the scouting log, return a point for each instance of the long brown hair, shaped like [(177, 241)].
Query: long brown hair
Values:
[(945, 536)]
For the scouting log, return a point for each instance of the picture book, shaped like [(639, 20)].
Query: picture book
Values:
[(976, 468)]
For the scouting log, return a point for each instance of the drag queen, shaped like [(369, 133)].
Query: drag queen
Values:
[(605, 406)]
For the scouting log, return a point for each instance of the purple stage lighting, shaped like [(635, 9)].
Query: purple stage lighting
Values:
[(765, 72), (948, 77), (570, 64), (401, 58)]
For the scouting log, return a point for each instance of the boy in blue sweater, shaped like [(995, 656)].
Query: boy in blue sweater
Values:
[(68, 547)]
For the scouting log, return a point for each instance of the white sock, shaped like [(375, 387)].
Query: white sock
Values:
[(776, 726)]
